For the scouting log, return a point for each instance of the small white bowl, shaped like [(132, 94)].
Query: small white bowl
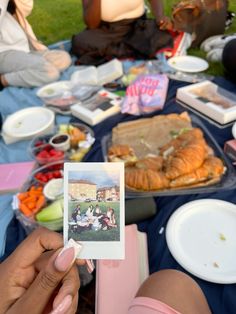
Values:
[(60, 141), (53, 189)]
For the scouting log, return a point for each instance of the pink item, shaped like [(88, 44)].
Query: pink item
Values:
[(146, 94), (14, 175), (144, 305), (117, 281)]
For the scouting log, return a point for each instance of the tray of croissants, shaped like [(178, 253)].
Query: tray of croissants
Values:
[(168, 155)]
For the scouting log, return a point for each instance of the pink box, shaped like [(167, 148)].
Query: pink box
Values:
[(230, 149)]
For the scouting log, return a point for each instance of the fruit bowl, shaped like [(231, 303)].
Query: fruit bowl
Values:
[(40, 204), (44, 150)]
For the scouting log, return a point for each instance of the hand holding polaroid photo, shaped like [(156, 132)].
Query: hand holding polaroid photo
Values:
[(94, 208)]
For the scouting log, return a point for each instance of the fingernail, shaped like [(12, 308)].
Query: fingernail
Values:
[(65, 259), (90, 265), (63, 306)]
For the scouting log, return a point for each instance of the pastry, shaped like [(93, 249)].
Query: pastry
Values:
[(124, 153), (212, 167)]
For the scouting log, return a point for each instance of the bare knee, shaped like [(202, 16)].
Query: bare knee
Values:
[(176, 289), (49, 74)]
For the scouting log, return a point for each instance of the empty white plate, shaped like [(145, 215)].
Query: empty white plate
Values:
[(201, 236), (28, 122), (190, 64)]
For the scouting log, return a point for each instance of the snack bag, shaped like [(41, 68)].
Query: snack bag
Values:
[(146, 94)]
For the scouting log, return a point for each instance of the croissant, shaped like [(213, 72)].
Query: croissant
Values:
[(189, 156), (145, 179), (212, 167), (182, 139), (154, 163), (121, 153)]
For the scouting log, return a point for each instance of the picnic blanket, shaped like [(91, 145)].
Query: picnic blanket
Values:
[(220, 297)]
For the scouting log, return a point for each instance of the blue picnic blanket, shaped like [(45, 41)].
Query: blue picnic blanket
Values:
[(220, 297)]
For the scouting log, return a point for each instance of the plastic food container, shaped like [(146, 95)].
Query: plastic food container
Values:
[(44, 151), (29, 222), (228, 180)]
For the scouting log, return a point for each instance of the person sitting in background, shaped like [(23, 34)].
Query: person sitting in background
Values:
[(229, 59), (97, 210), (120, 29), (199, 17), (24, 61)]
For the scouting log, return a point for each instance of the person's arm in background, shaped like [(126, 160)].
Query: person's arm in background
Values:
[(3, 9), (24, 6), (158, 10), (92, 13)]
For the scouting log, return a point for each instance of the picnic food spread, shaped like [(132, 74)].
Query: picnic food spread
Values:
[(183, 158), (40, 201)]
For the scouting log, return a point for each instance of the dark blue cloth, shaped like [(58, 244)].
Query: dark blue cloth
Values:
[(220, 297)]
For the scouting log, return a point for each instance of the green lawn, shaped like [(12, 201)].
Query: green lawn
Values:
[(59, 20), (112, 234)]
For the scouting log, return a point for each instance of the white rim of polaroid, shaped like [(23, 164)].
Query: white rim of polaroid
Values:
[(97, 249)]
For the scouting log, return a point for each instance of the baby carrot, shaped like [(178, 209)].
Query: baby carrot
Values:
[(25, 210), (39, 204)]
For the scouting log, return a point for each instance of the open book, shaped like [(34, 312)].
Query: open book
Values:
[(117, 281), (100, 75)]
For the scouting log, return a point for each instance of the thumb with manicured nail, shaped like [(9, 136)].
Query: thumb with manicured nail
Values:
[(38, 295)]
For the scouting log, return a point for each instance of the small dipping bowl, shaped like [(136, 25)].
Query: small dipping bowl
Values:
[(60, 141)]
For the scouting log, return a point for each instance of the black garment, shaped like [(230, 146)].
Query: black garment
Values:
[(138, 38), (229, 59), (11, 7)]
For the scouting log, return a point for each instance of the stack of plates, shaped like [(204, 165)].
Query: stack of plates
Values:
[(27, 123)]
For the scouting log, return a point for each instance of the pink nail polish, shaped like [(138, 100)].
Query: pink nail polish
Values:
[(90, 265), (63, 306), (65, 259)]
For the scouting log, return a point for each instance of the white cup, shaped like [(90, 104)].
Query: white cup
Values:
[(60, 141)]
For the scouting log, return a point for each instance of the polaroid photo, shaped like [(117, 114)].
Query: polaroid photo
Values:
[(94, 208)]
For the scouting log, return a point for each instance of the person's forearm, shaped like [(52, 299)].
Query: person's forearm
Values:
[(92, 13), (157, 9), (3, 9)]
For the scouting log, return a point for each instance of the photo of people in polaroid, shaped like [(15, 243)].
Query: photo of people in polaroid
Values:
[(94, 208)]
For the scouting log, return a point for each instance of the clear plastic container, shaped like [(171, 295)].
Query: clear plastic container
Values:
[(227, 181), (41, 143), (29, 223)]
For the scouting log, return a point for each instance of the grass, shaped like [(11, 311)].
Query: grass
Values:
[(101, 235), (58, 20)]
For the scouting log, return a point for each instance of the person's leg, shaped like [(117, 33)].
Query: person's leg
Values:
[(59, 58), (23, 69), (177, 290), (92, 45)]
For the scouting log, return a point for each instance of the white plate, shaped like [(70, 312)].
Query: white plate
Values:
[(234, 130), (201, 236), (28, 122), (188, 64), (54, 89)]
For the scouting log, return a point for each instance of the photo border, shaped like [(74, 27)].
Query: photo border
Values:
[(97, 249)]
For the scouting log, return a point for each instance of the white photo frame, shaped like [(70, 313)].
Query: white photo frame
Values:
[(94, 208)]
